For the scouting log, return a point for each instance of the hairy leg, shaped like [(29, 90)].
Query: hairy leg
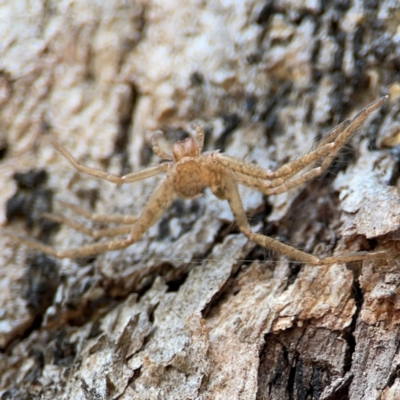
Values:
[(286, 177), (280, 185), (158, 202), (161, 147), (330, 144), (298, 255), (94, 233), (198, 131), (135, 176), (254, 171), (106, 218), (327, 147), (229, 191)]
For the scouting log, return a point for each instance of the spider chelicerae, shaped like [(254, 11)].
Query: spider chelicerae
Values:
[(187, 172)]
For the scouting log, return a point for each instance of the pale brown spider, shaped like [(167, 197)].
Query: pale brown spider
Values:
[(189, 171)]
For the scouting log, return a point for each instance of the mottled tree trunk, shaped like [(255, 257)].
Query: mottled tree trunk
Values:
[(194, 310)]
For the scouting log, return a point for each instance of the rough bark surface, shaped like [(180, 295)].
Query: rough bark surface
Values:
[(194, 310)]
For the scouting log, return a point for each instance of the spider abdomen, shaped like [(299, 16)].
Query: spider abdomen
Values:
[(192, 175)]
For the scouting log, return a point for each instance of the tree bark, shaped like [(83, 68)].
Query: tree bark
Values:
[(194, 310)]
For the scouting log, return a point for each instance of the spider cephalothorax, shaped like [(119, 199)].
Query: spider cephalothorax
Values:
[(188, 171), (193, 171)]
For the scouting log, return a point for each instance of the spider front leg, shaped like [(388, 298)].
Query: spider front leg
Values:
[(158, 202), (329, 145), (228, 191), (134, 176), (303, 168)]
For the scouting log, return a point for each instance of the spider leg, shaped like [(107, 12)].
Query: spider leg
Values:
[(229, 192), (327, 146), (239, 166), (285, 177), (324, 147), (107, 218), (298, 255), (158, 202), (94, 233), (160, 146), (279, 185), (134, 176), (333, 133), (197, 128), (355, 256), (287, 170)]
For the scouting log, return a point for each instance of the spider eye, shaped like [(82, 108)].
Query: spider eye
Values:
[(185, 148)]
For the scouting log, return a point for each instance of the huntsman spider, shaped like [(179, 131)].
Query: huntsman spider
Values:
[(187, 172)]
